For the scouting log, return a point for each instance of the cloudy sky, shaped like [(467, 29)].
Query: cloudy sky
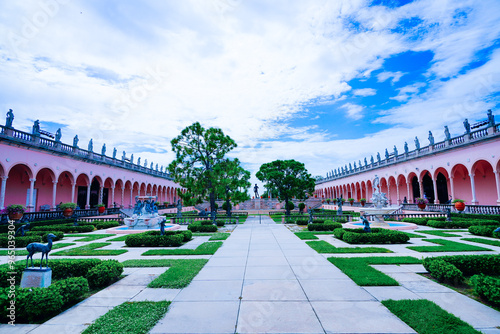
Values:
[(323, 82)]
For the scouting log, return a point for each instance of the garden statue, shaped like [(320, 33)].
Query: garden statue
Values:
[(103, 149), (339, 201), (139, 161), (386, 154), (22, 230), (376, 184), (431, 139), (35, 247), (497, 230), (75, 142), (162, 227), (366, 223), (131, 158), (359, 163), (161, 169), (114, 153), (36, 128), (447, 135), (417, 143), (124, 156), (9, 119), (395, 151), (58, 135), (355, 167), (378, 157), (156, 167), (372, 160), (256, 190), (378, 198), (151, 166), (310, 211), (145, 162), (448, 215), (366, 162), (406, 148), (467, 126), (350, 167), (179, 208), (491, 118), (91, 146)]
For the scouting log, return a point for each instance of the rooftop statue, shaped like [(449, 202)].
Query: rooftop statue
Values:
[(139, 161), (467, 126), (161, 169), (359, 163), (156, 167), (124, 156), (417, 143), (355, 167), (491, 118), (378, 157), (58, 135), (447, 135), (9, 119), (145, 162), (36, 128), (75, 141), (366, 162), (406, 147), (151, 166), (114, 153), (386, 154), (103, 150), (431, 138), (371, 160), (131, 158), (395, 151), (91, 145), (350, 167)]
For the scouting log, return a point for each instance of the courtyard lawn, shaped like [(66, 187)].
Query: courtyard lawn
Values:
[(414, 235), (360, 271), (206, 248), (444, 233), (91, 250), (25, 252), (130, 317), (311, 235), (89, 237), (447, 246), (219, 236), (122, 238), (325, 247), (484, 241), (425, 316)]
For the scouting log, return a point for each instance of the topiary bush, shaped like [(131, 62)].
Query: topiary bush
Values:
[(318, 221), (486, 231), (461, 223), (475, 216), (469, 265), (377, 236), (444, 271), (148, 239), (19, 241), (220, 222), (104, 274), (104, 225), (422, 221), (65, 228), (487, 287), (301, 222), (291, 206), (323, 227), (198, 227)]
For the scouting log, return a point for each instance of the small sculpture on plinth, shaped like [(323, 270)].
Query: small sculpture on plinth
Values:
[(139, 161), (491, 118), (91, 145), (36, 128), (151, 166), (58, 135), (23, 229), (131, 158), (406, 148), (431, 138), (378, 157), (366, 162), (179, 208), (386, 154), (103, 150), (339, 201), (124, 156), (395, 150), (36, 247), (9, 119), (366, 223), (447, 135), (417, 143), (310, 211), (256, 191), (448, 214), (114, 153), (372, 160), (467, 126), (162, 227)]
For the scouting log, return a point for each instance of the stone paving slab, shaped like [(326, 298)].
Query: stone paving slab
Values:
[(156, 295), (273, 290), (334, 290), (391, 292), (211, 291), (220, 273)]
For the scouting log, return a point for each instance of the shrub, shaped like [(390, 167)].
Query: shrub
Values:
[(487, 287), (104, 225), (224, 206), (291, 206), (147, 239), (475, 216), (377, 236), (461, 223), (198, 227), (65, 228), (301, 206), (472, 264), (486, 231), (19, 241), (105, 273), (339, 233), (302, 221), (318, 221), (323, 227), (206, 222), (220, 222), (443, 271), (59, 235), (72, 288)]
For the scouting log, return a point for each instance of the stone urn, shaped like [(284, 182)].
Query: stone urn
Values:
[(15, 216), (460, 206), (101, 209), (421, 206), (68, 212)]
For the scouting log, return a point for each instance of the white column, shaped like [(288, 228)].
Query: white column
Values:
[(473, 189), (452, 186), (54, 191), (31, 205), (421, 188), (123, 193), (131, 197), (397, 193), (73, 185), (101, 189), (2, 192), (409, 199), (497, 181), (113, 196), (436, 201), (87, 203), (389, 193)]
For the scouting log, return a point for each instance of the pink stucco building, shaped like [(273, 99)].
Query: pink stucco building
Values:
[(40, 173), (464, 167)]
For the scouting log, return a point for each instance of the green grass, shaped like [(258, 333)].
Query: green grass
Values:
[(413, 235), (311, 235), (219, 236), (442, 233), (325, 247), (447, 246), (130, 317), (90, 237), (122, 238), (198, 234), (483, 241), (426, 317), (206, 248), (360, 271), (24, 252), (90, 250)]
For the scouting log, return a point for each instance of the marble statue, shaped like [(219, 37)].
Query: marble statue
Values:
[(406, 148), (75, 141), (386, 154), (366, 162), (350, 167), (310, 211), (378, 157), (467, 126), (145, 162), (417, 143), (36, 128), (9, 119), (447, 135), (156, 167), (139, 161), (376, 184), (124, 156), (256, 190), (58, 135), (91, 146), (359, 163), (395, 151), (372, 160), (179, 208), (355, 167), (161, 169), (103, 150), (366, 223), (431, 138), (114, 153), (491, 118), (131, 158), (339, 202), (151, 166)]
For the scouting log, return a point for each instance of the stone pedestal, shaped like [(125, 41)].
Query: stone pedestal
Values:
[(36, 278), (257, 203)]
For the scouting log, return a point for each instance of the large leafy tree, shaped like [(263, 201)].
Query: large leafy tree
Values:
[(289, 177), (232, 182), (197, 152)]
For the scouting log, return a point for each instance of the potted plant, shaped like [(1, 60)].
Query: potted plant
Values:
[(302, 206), (362, 201), (67, 208), (351, 200), (101, 208), (459, 204), (334, 201), (165, 203), (421, 202), (328, 201), (15, 211)]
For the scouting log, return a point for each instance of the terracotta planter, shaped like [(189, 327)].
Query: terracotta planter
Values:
[(362, 203), (421, 206), (460, 206), (101, 209), (15, 216), (351, 202), (67, 213)]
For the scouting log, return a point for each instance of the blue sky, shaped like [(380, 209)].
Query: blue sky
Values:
[(322, 82)]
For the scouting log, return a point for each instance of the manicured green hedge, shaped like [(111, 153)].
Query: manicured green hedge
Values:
[(198, 226), (104, 273), (323, 227), (35, 304), (487, 287), (475, 216), (485, 231), (461, 223), (5, 228), (377, 236), (422, 221), (104, 225), (69, 228), (445, 272), (19, 241), (155, 239)]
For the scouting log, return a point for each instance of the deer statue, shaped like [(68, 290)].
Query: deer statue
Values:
[(35, 247)]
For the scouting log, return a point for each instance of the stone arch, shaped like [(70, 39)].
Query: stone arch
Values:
[(402, 189), (96, 194), (427, 185), (392, 191), (82, 190), (65, 187), (414, 187), (442, 180), (484, 182), (461, 188), (44, 188), (117, 198), (17, 188)]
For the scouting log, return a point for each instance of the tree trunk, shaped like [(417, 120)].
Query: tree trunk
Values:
[(228, 208), (287, 209)]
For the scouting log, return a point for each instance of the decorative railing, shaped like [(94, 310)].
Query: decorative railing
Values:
[(401, 216), (25, 138), (120, 220), (476, 209), (52, 215)]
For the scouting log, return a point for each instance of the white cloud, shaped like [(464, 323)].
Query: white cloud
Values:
[(394, 76), (354, 111), (364, 92)]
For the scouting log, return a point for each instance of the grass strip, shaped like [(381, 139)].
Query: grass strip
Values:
[(483, 241), (447, 246), (122, 238), (311, 235), (325, 247), (219, 236), (90, 250), (25, 252), (426, 317), (199, 234), (206, 248), (179, 275), (413, 235), (442, 234), (129, 317), (360, 271), (91, 237)]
